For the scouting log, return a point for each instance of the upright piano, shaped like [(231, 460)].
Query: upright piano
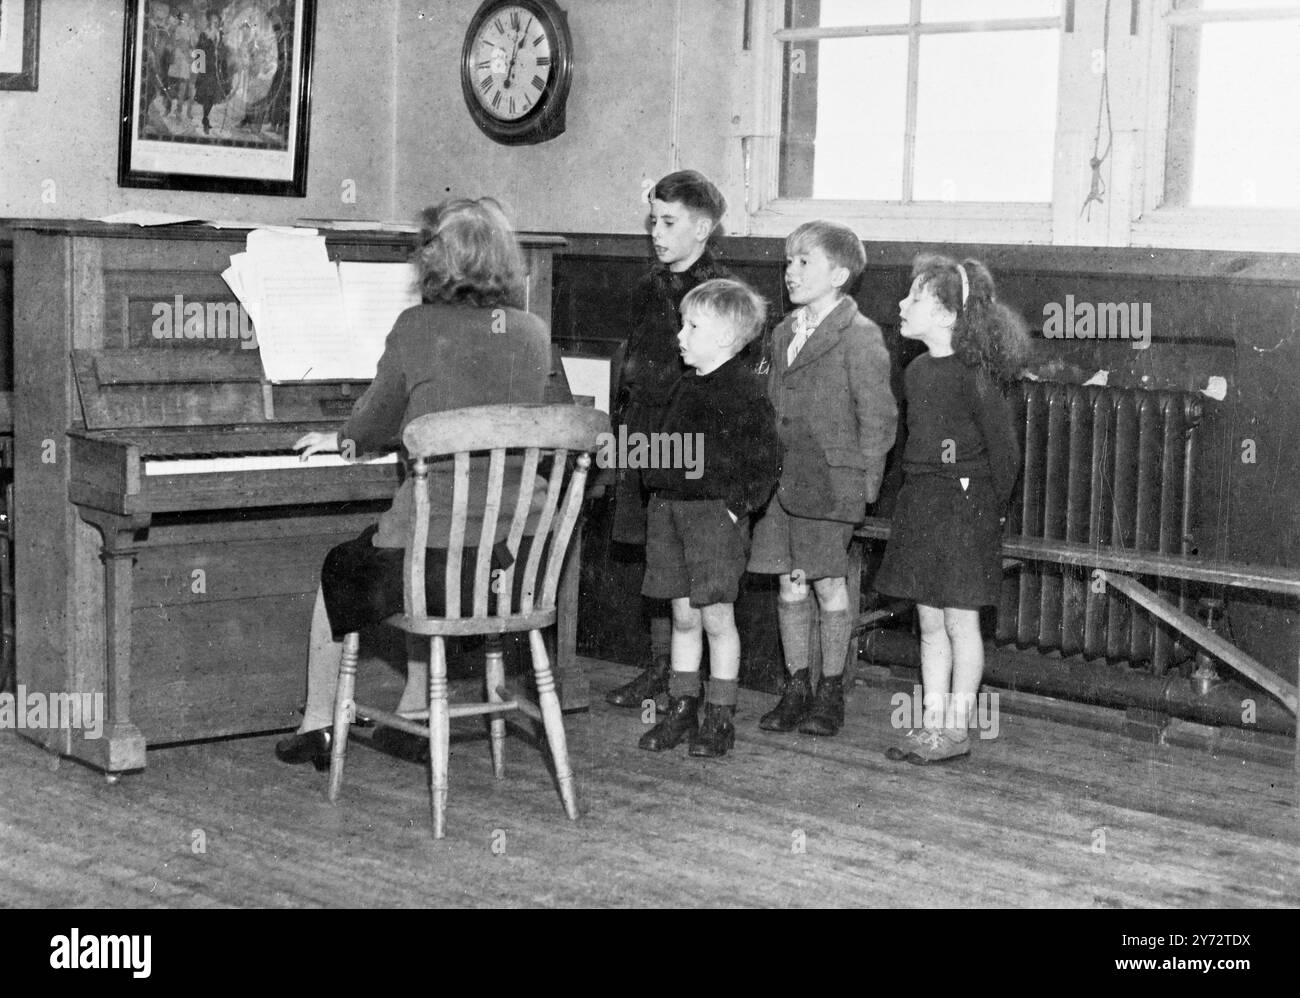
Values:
[(169, 542)]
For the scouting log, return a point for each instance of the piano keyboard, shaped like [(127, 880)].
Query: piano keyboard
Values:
[(253, 462)]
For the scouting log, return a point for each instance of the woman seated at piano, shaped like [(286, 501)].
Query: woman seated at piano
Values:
[(468, 344)]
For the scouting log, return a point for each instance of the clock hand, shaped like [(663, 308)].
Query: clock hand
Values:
[(510, 72)]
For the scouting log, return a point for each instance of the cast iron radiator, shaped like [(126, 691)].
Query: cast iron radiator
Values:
[(1108, 466)]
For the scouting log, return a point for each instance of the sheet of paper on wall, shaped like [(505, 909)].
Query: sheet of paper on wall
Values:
[(316, 320), (589, 377)]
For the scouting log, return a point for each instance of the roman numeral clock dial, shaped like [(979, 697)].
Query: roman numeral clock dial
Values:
[(516, 68)]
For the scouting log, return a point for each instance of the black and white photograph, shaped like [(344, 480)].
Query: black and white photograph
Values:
[(654, 454)]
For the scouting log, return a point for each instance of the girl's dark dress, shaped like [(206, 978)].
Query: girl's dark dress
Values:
[(945, 543)]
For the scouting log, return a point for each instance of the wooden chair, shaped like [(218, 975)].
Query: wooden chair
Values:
[(524, 603)]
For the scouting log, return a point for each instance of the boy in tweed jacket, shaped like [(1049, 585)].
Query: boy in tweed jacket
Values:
[(836, 416)]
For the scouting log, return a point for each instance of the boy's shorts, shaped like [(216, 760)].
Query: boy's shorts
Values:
[(693, 549), (783, 543)]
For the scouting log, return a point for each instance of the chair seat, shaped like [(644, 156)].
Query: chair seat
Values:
[(466, 626)]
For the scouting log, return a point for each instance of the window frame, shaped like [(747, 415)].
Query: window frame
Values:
[(1190, 226), (967, 221)]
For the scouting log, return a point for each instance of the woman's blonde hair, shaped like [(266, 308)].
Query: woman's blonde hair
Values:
[(467, 254)]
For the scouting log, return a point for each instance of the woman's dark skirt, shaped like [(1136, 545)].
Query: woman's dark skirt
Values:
[(945, 544), (363, 584)]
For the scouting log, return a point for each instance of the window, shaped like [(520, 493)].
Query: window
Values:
[(919, 100), (1234, 105)]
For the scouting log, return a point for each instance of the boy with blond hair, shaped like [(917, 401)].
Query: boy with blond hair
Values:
[(697, 532)]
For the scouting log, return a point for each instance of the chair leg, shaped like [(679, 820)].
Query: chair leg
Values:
[(495, 669), (439, 735), (344, 709), (553, 721)]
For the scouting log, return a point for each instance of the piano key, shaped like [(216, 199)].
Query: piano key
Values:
[(254, 462)]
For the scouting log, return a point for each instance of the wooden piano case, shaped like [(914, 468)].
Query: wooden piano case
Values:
[(182, 603)]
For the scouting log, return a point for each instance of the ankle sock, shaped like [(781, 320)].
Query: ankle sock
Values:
[(723, 692), (683, 684), (794, 621), (836, 631), (661, 637)]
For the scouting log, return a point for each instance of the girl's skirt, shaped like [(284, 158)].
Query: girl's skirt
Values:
[(945, 543)]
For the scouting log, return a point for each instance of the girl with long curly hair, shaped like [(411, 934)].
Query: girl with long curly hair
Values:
[(960, 466)]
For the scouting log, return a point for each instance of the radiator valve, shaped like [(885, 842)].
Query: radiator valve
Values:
[(1204, 676)]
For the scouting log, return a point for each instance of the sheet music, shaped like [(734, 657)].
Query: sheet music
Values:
[(374, 295), (317, 319)]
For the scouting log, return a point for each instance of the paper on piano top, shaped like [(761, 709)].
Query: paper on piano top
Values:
[(144, 217), (317, 320)]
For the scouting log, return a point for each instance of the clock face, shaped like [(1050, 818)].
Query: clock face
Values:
[(510, 62), (516, 68)]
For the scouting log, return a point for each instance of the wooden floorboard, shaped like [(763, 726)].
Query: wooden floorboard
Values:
[(1045, 815)]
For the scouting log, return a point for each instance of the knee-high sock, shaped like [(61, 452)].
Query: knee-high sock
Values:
[(724, 692), (837, 630), (793, 620)]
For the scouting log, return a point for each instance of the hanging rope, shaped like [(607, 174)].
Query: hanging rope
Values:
[(1097, 190)]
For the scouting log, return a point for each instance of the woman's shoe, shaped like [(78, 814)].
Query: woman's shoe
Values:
[(310, 746)]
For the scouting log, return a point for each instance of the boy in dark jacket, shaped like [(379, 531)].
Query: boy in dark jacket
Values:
[(697, 534), (829, 385), (685, 210)]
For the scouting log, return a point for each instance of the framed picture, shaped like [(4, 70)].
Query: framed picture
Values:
[(216, 95), (20, 31)]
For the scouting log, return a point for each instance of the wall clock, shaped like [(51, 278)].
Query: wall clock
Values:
[(515, 70)]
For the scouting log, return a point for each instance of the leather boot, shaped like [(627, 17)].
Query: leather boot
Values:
[(795, 704), (827, 714), (717, 732), (680, 723), (651, 684)]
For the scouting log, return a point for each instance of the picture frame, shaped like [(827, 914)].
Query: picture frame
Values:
[(20, 32), (216, 95)]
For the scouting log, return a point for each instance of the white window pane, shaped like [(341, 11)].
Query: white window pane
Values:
[(987, 10), (841, 13), (861, 115), (1247, 137), (1181, 5), (986, 116)]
